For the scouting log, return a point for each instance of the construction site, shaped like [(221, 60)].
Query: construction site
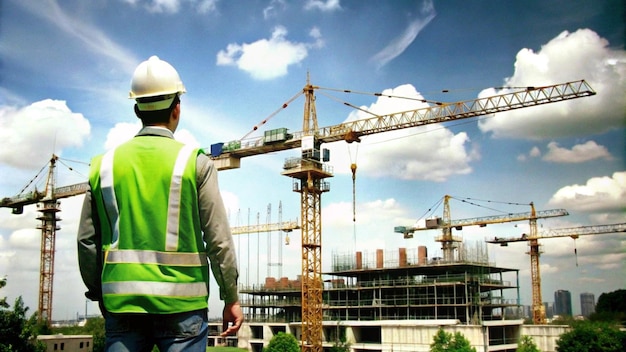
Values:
[(394, 300)]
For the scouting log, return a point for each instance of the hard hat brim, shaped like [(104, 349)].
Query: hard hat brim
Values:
[(162, 104)]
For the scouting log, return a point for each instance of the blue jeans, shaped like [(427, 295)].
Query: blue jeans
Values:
[(169, 332)]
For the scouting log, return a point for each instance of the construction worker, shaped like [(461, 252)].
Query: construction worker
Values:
[(151, 218)]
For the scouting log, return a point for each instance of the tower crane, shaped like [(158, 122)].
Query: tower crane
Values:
[(284, 226), (309, 171), (539, 316), (446, 224), (268, 228), (48, 205)]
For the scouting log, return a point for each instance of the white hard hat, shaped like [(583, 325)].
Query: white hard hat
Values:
[(155, 78)]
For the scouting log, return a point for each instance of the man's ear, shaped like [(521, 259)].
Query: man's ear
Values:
[(176, 111)]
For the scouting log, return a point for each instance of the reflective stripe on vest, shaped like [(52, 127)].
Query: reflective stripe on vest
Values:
[(108, 195), (129, 256), (173, 207), (151, 288)]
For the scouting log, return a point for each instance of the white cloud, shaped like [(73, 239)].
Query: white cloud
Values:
[(324, 6), (568, 57), (163, 6), (207, 6), (173, 6), (121, 133), (600, 194), (124, 131), (579, 153), (428, 152), (399, 44), (534, 152), (373, 224), (50, 123), (316, 34), (268, 58), (231, 203), (273, 8), (186, 137)]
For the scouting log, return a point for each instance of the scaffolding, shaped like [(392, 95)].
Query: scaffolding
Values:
[(397, 285)]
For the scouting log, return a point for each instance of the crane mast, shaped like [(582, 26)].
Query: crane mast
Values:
[(308, 173), (49, 207), (539, 316), (539, 313), (448, 243)]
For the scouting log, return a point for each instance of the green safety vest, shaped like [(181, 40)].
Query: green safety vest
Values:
[(154, 255)]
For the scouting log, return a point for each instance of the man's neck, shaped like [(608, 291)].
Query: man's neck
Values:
[(160, 126)]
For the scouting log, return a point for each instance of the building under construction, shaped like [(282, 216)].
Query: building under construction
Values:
[(396, 301)]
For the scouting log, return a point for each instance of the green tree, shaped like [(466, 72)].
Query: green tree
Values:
[(527, 344), (448, 342), (16, 332), (588, 336), (39, 327), (611, 307), (3, 300), (282, 342), (95, 327)]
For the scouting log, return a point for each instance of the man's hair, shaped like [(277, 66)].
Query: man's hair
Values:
[(155, 116)]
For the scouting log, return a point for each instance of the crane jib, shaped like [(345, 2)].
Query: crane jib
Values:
[(438, 113)]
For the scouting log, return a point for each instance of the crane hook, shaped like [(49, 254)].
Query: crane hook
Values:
[(353, 168)]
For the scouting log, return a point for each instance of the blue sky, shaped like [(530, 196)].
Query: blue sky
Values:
[(64, 78)]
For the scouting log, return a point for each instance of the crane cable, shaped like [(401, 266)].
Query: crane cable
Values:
[(256, 127), (353, 169), (33, 180), (575, 249)]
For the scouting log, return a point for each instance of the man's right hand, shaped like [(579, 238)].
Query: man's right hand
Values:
[(232, 319)]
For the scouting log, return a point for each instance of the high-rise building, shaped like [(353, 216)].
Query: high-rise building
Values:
[(587, 304), (549, 308), (562, 303)]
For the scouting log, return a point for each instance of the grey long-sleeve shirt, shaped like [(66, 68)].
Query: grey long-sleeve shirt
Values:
[(216, 231)]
